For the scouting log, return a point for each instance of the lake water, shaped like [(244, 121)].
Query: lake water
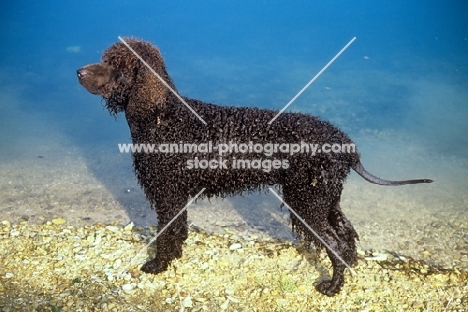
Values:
[(400, 90)]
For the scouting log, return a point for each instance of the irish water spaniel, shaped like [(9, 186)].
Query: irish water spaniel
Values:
[(260, 154)]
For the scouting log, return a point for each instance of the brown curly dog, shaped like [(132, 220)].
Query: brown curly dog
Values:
[(310, 184)]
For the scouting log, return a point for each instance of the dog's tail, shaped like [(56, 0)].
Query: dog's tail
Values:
[(373, 179)]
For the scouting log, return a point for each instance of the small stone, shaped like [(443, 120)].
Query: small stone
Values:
[(24, 218), (187, 302), (127, 277), (377, 257), (129, 226), (225, 305), (112, 228), (235, 300), (8, 275), (426, 253), (90, 238), (235, 246), (127, 288), (229, 232), (97, 241), (14, 233), (58, 221), (117, 263), (441, 278)]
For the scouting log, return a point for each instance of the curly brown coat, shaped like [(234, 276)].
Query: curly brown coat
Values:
[(311, 185)]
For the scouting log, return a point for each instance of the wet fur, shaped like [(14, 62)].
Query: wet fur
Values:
[(312, 185)]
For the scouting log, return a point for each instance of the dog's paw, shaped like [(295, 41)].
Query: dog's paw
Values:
[(328, 288), (153, 267)]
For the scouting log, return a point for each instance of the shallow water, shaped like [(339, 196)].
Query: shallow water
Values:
[(400, 91)]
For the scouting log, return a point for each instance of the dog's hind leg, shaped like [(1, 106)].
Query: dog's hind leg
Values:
[(341, 238), (332, 230)]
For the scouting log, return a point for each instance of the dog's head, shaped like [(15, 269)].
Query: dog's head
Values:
[(107, 80), (122, 75), (99, 78)]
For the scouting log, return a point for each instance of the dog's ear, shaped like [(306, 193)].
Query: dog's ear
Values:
[(118, 76), (114, 79), (97, 78)]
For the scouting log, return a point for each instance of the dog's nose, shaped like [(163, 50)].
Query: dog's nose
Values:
[(81, 72)]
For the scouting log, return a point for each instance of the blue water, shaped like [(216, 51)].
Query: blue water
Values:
[(254, 53), (404, 79)]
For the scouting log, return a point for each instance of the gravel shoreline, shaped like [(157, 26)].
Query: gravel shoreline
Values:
[(57, 267), (72, 266)]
